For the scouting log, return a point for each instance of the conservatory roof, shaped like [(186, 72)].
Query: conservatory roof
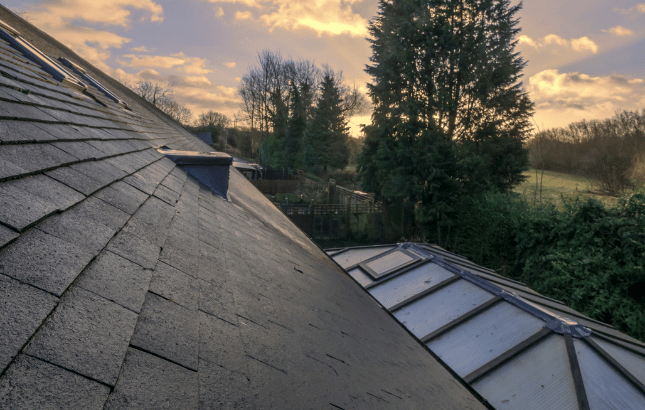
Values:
[(517, 348)]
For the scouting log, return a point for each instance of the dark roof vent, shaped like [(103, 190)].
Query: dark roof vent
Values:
[(209, 168)]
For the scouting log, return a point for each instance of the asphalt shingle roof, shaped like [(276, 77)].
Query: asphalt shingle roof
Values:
[(125, 283)]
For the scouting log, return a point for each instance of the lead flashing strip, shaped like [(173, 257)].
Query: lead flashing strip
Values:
[(506, 356), (581, 394)]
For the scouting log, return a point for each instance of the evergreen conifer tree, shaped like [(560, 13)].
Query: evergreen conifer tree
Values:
[(450, 114), (326, 143), (296, 126)]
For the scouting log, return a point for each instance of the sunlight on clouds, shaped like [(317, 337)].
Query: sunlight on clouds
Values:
[(584, 43), (243, 15), (639, 8), (230, 64), (249, 3), (137, 61), (577, 44), (60, 18), (220, 12), (620, 31), (107, 12), (561, 98), (323, 16)]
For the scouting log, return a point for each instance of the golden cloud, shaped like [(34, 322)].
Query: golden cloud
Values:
[(56, 18), (230, 64), (137, 61), (620, 31), (562, 98), (107, 12), (577, 44), (639, 8), (323, 16)]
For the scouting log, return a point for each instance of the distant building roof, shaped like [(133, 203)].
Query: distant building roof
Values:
[(125, 283), (517, 348)]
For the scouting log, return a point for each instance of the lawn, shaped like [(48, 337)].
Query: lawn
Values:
[(556, 184)]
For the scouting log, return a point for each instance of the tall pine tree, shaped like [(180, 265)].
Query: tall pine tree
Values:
[(326, 143), (450, 114)]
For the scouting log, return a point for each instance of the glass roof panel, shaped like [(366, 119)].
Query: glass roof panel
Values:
[(635, 364), (443, 306), (390, 261), (409, 284), (361, 277), (605, 387), (484, 337), (539, 378), (355, 256)]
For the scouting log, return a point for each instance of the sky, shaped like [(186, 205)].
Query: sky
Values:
[(586, 58)]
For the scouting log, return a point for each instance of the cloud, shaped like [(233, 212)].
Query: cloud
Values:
[(620, 31), (243, 15), (220, 12), (106, 12), (577, 44), (639, 8), (333, 17), (562, 98), (60, 19), (142, 49), (137, 61), (584, 43), (189, 65), (230, 64)]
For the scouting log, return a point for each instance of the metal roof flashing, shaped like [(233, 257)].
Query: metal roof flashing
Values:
[(210, 168)]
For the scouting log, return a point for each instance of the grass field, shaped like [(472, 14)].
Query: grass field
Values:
[(554, 184)]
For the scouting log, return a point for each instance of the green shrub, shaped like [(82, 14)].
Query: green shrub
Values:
[(588, 255)]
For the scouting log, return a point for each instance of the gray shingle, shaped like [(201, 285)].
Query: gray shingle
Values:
[(60, 131), (75, 180), (151, 221), (166, 194), (71, 227), (220, 343), (217, 301), (168, 330), (175, 285), (135, 249), (33, 384), (149, 382), (23, 112), (22, 309), (79, 149), (19, 208), (221, 388), (83, 321), (44, 261), (53, 191), (181, 251), (101, 212), (6, 235), (19, 131), (117, 279), (122, 196)]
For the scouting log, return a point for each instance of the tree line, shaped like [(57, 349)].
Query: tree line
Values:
[(300, 111), (611, 151)]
